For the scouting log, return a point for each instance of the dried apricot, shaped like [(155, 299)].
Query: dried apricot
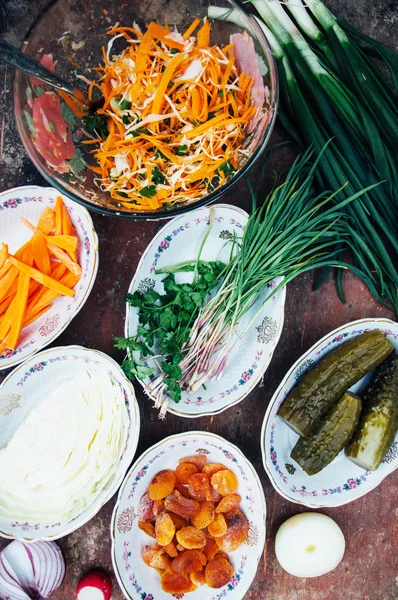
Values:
[(237, 532), (171, 550), (184, 471), (218, 572), (205, 516), (162, 484), (198, 577), (224, 482), (164, 529), (158, 507), (188, 561), (190, 537), (228, 503), (173, 583), (147, 554), (145, 508), (218, 526), (199, 460), (212, 468), (147, 527), (161, 561), (185, 507), (216, 497), (199, 487), (178, 521), (181, 548), (211, 548), (182, 489)]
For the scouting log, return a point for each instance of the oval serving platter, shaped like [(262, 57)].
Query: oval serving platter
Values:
[(181, 239), (29, 202), (135, 578), (342, 481), (33, 380)]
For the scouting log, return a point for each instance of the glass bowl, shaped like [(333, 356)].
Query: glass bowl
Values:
[(73, 32)]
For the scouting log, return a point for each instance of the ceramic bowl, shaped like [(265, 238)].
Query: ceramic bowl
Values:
[(24, 387), (341, 481), (138, 581), (28, 202), (181, 239), (73, 33)]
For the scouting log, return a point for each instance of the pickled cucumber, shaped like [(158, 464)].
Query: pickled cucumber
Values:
[(327, 381), (316, 451), (379, 421)]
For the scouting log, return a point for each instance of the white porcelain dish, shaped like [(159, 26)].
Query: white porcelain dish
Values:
[(341, 481), (180, 240), (135, 578), (23, 389), (29, 202)]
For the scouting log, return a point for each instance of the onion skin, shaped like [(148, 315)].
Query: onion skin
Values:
[(96, 579)]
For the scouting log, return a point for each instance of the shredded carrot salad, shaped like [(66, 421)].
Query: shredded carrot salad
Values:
[(176, 109)]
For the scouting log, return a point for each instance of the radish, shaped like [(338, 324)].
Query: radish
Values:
[(95, 585)]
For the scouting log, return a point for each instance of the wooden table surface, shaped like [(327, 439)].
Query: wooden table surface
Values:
[(369, 570)]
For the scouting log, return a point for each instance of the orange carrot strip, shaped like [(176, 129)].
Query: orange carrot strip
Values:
[(66, 242), (41, 278), (6, 303), (63, 257), (191, 29), (40, 253), (7, 320), (58, 215), (36, 316), (3, 254), (70, 280), (6, 282), (46, 222), (204, 35), (68, 100), (20, 301)]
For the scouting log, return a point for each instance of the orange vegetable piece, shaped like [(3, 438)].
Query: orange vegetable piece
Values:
[(46, 222), (40, 254), (164, 529), (19, 308), (199, 460), (211, 548), (58, 215), (3, 254), (188, 561), (205, 516), (203, 37), (199, 487), (218, 527), (182, 489), (185, 507), (218, 572), (212, 468), (158, 507), (147, 527), (198, 577), (228, 503), (171, 550), (173, 583), (161, 561), (162, 485), (224, 482), (41, 278), (184, 471), (147, 554), (178, 521), (191, 537), (237, 531)]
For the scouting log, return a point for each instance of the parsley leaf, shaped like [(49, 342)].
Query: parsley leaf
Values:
[(158, 177), (148, 191), (98, 123), (181, 150)]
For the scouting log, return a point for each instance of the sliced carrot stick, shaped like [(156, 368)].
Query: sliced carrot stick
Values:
[(6, 282), (19, 309), (58, 216), (49, 296), (46, 222), (68, 229), (36, 316), (204, 35), (3, 254), (40, 253), (41, 278), (7, 320), (66, 242), (6, 303), (63, 257)]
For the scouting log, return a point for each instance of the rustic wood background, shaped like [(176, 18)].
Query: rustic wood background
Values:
[(369, 570)]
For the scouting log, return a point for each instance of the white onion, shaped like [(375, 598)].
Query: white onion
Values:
[(30, 571)]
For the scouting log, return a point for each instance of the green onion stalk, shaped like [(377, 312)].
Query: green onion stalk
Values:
[(292, 232), (330, 89)]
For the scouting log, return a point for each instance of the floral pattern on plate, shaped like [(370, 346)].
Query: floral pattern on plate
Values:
[(138, 581), (250, 359), (341, 481)]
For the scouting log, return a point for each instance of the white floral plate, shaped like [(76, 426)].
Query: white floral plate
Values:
[(36, 378), (29, 202), (342, 481), (139, 581), (180, 240)]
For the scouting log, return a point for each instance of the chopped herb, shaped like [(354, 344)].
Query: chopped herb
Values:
[(125, 105), (125, 119), (174, 51), (123, 194), (97, 123), (159, 154), (181, 150), (148, 191), (227, 169), (211, 115), (158, 177), (220, 93)]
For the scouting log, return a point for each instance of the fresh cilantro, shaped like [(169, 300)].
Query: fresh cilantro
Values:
[(174, 51), (97, 123), (158, 177), (125, 105), (165, 320), (227, 169), (181, 150), (148, 191), (159, 154), (125, 119), (220, 93)]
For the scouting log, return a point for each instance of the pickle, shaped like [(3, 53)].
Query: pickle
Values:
[(379, 421), (328, 380), (316, 451)]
